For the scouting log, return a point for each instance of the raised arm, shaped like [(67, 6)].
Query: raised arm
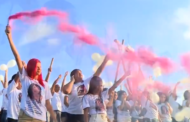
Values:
[(102, 66), (54, 83), (116, 84), (48, 74), (68, 87), (63, 82), (13, 48), (6, 79), (49, 70), (174, 93)]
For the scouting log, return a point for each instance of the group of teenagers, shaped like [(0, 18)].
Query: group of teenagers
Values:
[(28, 98)]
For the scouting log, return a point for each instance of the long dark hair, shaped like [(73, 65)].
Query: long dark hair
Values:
[(114, 108), (120, 93), (30, 92), (93, 84), (13, 77)]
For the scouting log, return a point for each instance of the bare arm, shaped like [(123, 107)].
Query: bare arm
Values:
[(86, 117), (50, 110), (122, 105), (6, 79), (174, 93), (68, 87), (110, 102), (116, 84), (170, 108), (48, 74), (54, 83), (101, 67), (63, 82), (66, 101), (14, 50)]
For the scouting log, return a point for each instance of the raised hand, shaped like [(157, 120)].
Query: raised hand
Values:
[(59, 76), (49, 69), (66, 73), (8, 30)]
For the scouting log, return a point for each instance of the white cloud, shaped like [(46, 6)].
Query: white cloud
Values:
[(53, 41), (37, 32), (182, 18)]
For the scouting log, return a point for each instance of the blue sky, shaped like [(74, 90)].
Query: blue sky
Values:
[(162, 25)]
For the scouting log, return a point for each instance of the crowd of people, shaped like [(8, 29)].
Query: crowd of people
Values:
[(28, 98)]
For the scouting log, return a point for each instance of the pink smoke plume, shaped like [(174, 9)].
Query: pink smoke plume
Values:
[(185, 62), (141, 55), (63, 26), (145, 56), (38, 14)]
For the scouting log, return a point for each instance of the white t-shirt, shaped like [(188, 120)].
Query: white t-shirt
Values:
[(95, 104), (164, 112), (122, 114), (5, 100), (64, 107), (14, 97), (34, 97), (75, 98), (56, 101), (109, 109), (135, 114), (151, 112), (174, 105), (184, 103)]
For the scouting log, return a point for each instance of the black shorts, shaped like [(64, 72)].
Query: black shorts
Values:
[(75, 117), (64, 114), (173, 120)]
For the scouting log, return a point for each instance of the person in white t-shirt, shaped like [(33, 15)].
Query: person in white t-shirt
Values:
[(94, 101), (65, 104), (135, 112), (114, 106), (123, 107), (174, 104), (36, 93), (164, 108), (75, 90), (186, 102), (5, 100), (109, 106), (150, 109), (64, 101), (56, 100), (14, 98)]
